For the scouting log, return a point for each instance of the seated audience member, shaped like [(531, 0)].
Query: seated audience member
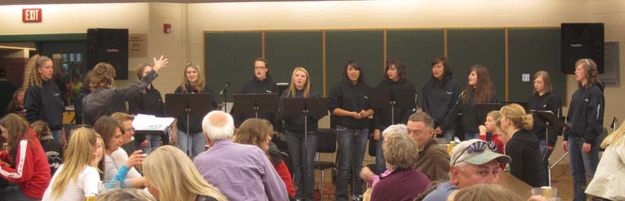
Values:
[(609, 177), (491, 127), (78, 176), (129, 194), (128, 136), (490, 192), (115, 158), (400, 182), (240, 171), (17, 103), (258, 132), (522, 146), (53, 149), (23, 163), (171, 176), (433, 160), (472, 162)]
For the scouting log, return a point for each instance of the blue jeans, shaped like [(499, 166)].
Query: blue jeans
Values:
[(449, 134), (544, 154), (582, 165), (57, 134), (380, 163), (154, 141), (352, 143), (13, 193), (192, 144), (302, 160)]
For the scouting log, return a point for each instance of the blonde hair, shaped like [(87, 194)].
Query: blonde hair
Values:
[(78, 155), (32, 77), (517, 115), (127, 194), (615, 138), (254, 131), (121, 117), (486, 192), (17, 128), (399, 150), (293, 90), (200, 83), (41, 128), (180, 180)]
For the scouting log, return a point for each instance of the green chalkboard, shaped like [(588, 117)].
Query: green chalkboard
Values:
[(229, 57), (478, 46), (531, 50), (416, 49), (364, 47), (286, 50)]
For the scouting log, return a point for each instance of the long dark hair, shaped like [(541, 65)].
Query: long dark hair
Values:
[(16, 131), (353, 64), (484, 88)]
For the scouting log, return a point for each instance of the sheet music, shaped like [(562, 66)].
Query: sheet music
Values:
[(151, 122)]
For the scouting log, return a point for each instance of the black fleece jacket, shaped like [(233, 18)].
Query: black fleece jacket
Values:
[(45, 103), (296, 124), (266, 86), (439, 97), (585, 117), (526, 161), (551, 102), (350, 97)]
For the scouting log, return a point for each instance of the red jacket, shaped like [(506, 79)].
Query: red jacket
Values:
[(284, 173), (31, 170)]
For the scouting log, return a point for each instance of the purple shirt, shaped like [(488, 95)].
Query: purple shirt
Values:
[(241, 172)]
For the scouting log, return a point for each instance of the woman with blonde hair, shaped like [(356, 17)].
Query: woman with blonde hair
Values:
[(78, 177), (302, 148), (401, 181), (522, 146), (43, 99), (180, 180), (23, 162), (609, 177), (190, 138), (258, 132)]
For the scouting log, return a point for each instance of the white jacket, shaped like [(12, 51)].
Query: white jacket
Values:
[(610, 175)]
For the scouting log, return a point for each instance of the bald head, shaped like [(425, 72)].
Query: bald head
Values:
[(218, 125)]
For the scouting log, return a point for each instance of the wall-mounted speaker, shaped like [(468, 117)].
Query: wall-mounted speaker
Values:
[(581, 40), (110, 46)]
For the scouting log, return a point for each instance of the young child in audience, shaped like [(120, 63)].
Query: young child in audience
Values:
[(53, 149), (491, 126)]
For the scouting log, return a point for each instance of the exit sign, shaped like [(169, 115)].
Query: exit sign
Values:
[(31, 15)]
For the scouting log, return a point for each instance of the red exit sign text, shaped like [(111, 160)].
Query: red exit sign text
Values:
[(30, 15)]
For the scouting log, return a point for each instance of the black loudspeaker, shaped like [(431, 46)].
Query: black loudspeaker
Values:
[(581, 40), (110, 46)]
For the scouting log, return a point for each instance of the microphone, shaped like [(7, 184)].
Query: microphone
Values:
[(225, 88)]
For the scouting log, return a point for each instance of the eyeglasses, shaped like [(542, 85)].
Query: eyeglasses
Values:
[(476, 147)]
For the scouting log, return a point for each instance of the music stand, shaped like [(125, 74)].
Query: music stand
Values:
[(382, 98), (549, 118), (185, 105), (314, 107), (255, 103)]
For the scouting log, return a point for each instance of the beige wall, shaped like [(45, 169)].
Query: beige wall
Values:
[(189, 21)]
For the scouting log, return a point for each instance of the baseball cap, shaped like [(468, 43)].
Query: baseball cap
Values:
[(476, 152)]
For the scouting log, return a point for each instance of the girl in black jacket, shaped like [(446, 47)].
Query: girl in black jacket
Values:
[(394, 77), (350, 109), (147, 101), (545, 99), (43, 100), (479, 90), (192, 141), (261, 83), (521, 145), (585, 124), (302, 152), (440, 94)]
